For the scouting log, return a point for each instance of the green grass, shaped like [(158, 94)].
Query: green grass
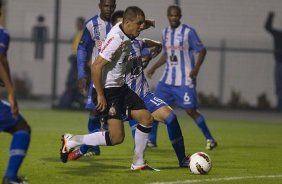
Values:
[(246, 148)]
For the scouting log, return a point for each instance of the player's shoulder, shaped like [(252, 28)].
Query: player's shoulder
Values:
[(117, 32), (4, 32), (93, 20), (189, 27)]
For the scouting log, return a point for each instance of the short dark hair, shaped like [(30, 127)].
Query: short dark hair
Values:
[(117, 14), (104, 0), (132, 12), (80, 19), (174, 7)]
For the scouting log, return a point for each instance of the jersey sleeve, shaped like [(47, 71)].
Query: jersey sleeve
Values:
[(110, 46), (84, 50), (4, 42), (194, 41)]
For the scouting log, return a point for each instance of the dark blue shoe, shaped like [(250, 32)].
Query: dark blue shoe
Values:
[(95, 150), (211, 144), (151, 144), (10, 181), (185, 162)]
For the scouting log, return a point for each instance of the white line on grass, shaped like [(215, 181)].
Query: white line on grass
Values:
[(218, 179)]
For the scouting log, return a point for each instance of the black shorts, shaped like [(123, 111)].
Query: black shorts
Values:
[(120, 100)]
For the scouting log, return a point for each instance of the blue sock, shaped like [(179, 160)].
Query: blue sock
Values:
[(175, 136), (201, 123), (94, 125), (18, 148), (153, 133), (133, 125)]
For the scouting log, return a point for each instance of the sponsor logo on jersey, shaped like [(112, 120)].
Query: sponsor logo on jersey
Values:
[(98, 44), (106, 44)]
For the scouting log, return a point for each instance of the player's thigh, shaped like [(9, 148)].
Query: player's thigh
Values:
[(162, 113), (157, 107), (90, 105), (116, 129), (164, 92), (143, 116), (186, 97), (8, 123)]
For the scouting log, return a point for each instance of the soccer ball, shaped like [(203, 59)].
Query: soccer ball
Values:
[(200, 163)]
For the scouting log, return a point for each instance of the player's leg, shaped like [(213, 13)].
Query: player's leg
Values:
[(114, 136), (162, 91), (20, 131), (141, 138), (133, 124), (201, 123), (163, 113), (166, 115), (139, 113), (94, 125), (152, 142), (186, 98)]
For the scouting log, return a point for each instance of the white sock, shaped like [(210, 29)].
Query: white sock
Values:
[(140, 140), (93, 139)]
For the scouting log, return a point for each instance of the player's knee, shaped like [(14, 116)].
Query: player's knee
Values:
[(147, 120), (192, 113), (25, 126), (117, 140), (171, 117), (22, 125)]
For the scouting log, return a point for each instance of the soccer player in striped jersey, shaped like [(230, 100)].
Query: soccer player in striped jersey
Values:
[(11, 121), (178, 83), (94, 34), (160, 110)]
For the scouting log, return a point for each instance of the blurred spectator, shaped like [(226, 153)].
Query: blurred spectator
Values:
[(40, 37), (263, 102), (71, 97), (277, 36)]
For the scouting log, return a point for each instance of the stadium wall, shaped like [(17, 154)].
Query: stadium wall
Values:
[(239, 24)]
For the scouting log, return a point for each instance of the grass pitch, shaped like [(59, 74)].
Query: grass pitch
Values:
[(248, 152)]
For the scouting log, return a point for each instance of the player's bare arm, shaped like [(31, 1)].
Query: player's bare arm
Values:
[(158, 64), (155, 46), (6, 79), (96, 75), (194, 72)]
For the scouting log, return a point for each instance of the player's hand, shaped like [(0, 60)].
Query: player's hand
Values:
[(151, 22), (156, 50), (14, 105), (150, 73), (101, 103), (193, 74), (82, 83)]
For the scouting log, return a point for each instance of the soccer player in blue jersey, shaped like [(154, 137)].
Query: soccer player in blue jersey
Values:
[(160, 110), (178, 83), (93, 36), (11, 121)]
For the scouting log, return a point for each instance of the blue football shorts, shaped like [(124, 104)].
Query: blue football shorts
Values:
[(183, 96), (6, 119)]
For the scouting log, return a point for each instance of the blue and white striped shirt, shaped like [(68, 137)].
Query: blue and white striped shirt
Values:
[(135, 77), (180, 44), (94, 34)]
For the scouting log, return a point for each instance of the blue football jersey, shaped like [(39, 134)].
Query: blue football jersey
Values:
[(180, 44), (135, 77)]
